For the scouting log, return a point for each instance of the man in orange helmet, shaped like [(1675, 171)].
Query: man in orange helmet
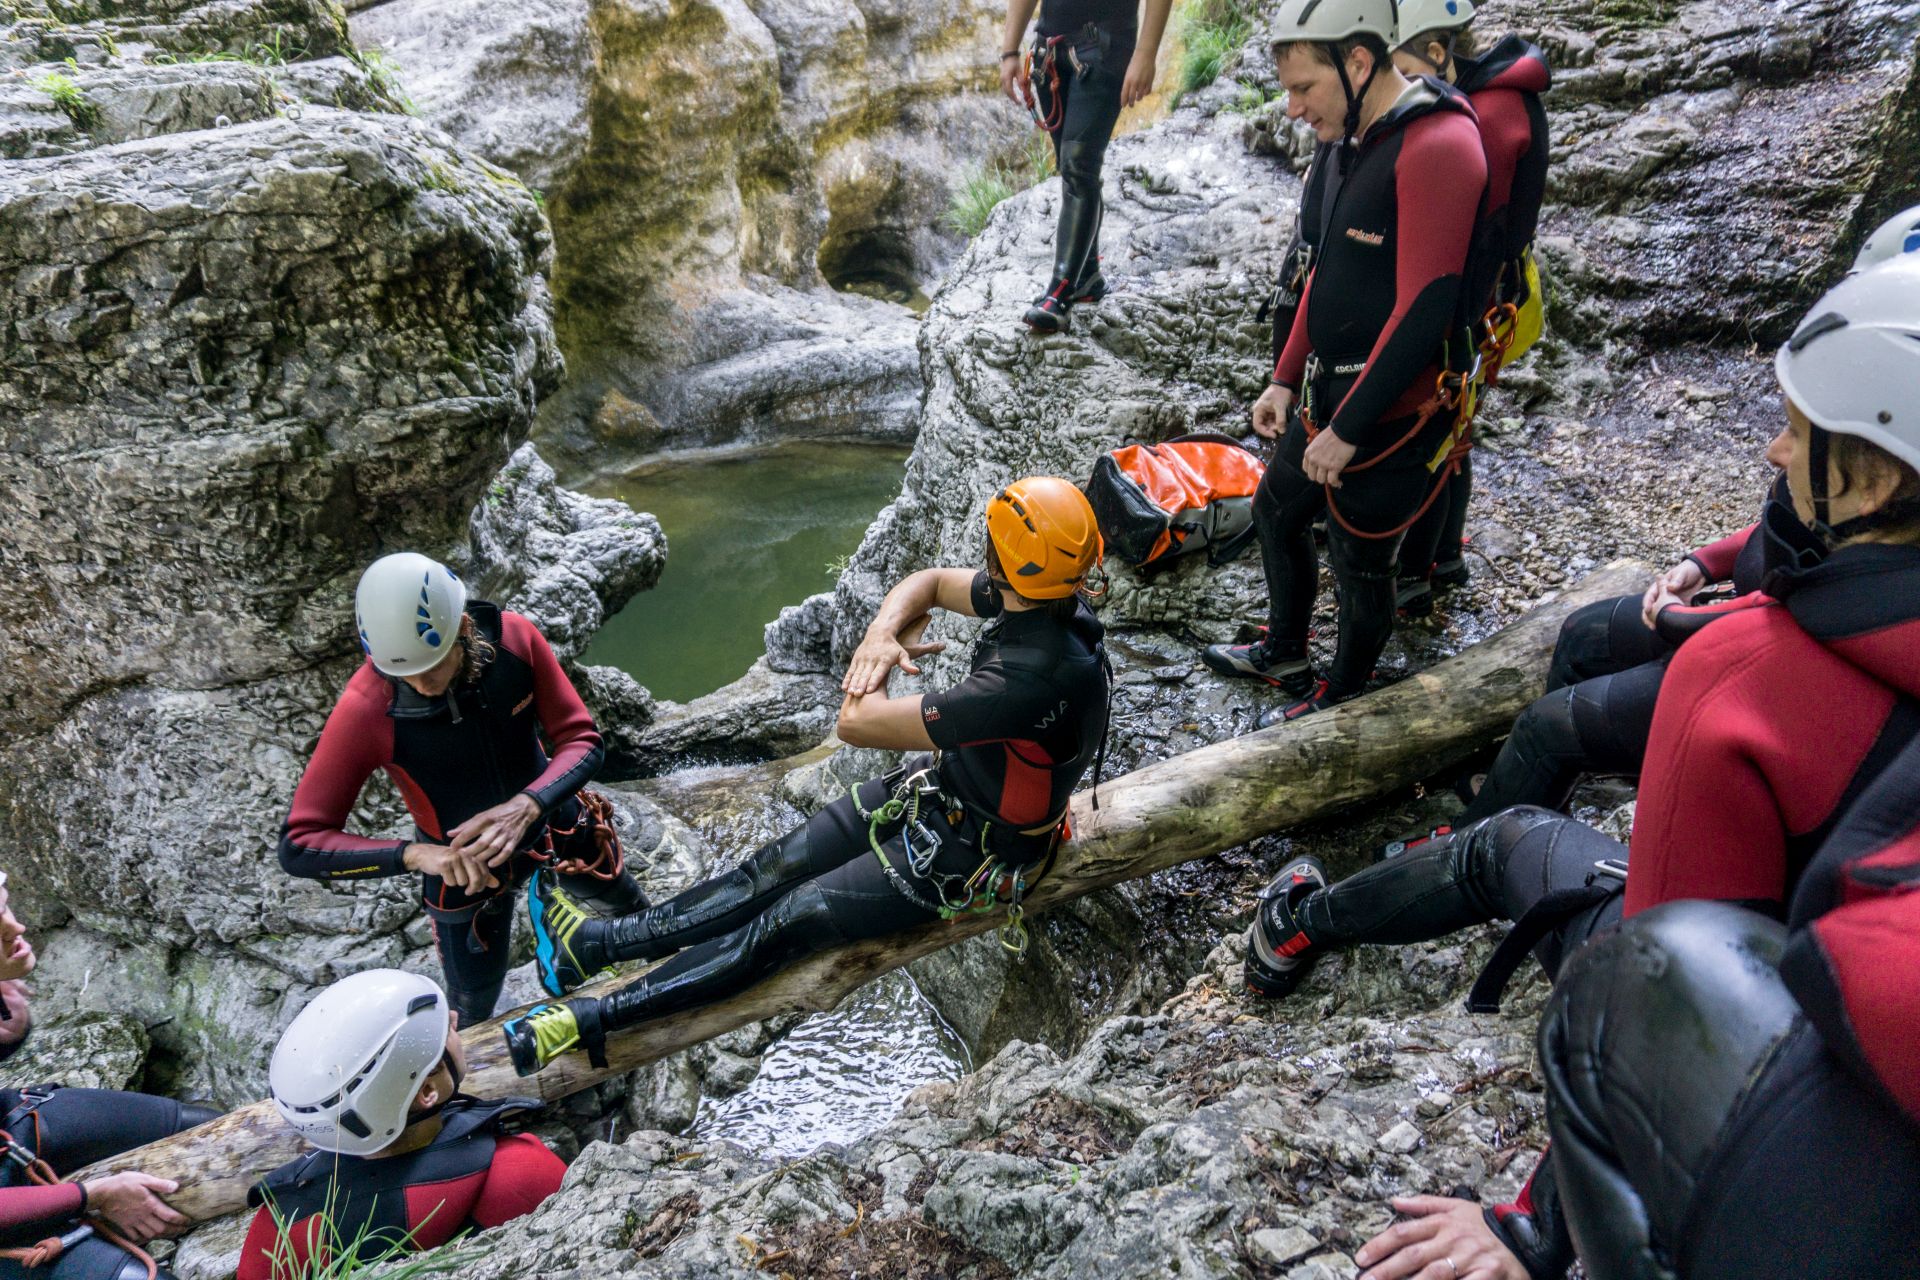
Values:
[(968, 827)]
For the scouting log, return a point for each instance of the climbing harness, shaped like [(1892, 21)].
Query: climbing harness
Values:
[(40, 1173), (1453, 393), (1043, 59), (992, 884)]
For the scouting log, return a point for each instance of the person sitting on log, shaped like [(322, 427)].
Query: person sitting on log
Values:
[(369, 1073), (453, 702), (48, 1132), (966, 829), (1611, 656), (1771, 722), (1380, 350), (1089, 60)]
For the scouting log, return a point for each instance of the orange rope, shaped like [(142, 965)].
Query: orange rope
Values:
[(596, 811), (1448, 393), (40, 1173)]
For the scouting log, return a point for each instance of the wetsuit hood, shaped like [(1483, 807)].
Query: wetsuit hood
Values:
[(1513, 63), (1862, 603), (1428, 95)]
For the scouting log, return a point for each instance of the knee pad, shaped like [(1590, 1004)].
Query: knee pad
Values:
[(194, 1114), (1484, 856), (1360, 562), (1080, 169), (803, 920)]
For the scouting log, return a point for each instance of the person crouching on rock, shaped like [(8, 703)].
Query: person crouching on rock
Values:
[(1370, 346), (1089, 60), (1772, 721), (369, 1073), (48, 1131), (454, 702), (970, 828)]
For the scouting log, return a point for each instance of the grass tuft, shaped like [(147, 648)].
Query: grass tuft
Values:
[(1210, 31), (68, 96), (981, 190)]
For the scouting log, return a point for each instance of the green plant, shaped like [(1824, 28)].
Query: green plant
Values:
[(981, 189), (67, 95), (441, 177), (1210, 31), (330, 1256), (384, 74), (1250, 99), (838, 565)]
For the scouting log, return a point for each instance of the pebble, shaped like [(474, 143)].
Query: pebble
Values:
[(1401, 1139), (1277, 1246)]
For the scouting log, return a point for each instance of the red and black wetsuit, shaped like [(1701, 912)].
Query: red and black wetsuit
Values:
[(1395, 227), (71, 1129), (1504, 85), (469, 1176), (520, 728), (1016, 737)]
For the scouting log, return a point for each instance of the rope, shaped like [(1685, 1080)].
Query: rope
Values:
[(1449, 393), (40, 1173), (608, 863), (1045, 58)]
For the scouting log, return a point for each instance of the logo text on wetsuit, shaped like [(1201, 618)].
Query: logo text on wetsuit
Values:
[(1366, 237), (523, 704), (929, 714), (1052, 715)]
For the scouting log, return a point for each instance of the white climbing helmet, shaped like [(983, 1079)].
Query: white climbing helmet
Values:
[(347, 1069), (1326, 21), (407, 610), (1898, 235), (1417, 17), (1853, 365)]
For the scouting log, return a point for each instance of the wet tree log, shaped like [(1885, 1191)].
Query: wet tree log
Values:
[(1187, 807)]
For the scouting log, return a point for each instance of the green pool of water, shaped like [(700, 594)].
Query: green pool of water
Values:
[(747, 534)]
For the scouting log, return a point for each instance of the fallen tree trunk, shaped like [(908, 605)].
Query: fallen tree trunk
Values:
[(1187, 807)]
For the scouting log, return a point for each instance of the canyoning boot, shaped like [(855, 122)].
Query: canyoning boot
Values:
[(1279, 954), (1448, 574), (1293, 676), (546, 1031), (1413, 597), (1091, 288), (1394, 848), (1076, 265), (1052, 311), (1318, 698)]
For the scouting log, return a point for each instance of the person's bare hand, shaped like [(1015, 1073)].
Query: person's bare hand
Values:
[(1326, 457), (463, 872), (1271, 409), (490, 836), (878, 655), (13, 1026), (1441, 1238), (1139, 81), (1013, 79), (1678, 585), (131, 1204)]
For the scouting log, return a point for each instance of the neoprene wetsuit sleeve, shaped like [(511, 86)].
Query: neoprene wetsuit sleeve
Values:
[(564, 719), (991, 705), (523, 1174), (1440, 175), (357, 739), (266, 1256), (1716, 559), (1708, 824), (41, 1206), (1292, 365)]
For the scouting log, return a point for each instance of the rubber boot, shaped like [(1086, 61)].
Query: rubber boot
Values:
[(1074, 241), (1089, 285), (620, 896)]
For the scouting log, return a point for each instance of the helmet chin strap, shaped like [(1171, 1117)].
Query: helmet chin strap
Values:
[(1354, 100), (453, 1073)]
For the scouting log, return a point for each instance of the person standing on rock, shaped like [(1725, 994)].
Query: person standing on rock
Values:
[(968, 829), (1377, 346), (369, 1074), (1772, 722), (453, 703), (1504, 85), (1089, 60), (68, 1129)]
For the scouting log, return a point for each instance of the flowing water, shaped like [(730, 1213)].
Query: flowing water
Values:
[(747, 533)]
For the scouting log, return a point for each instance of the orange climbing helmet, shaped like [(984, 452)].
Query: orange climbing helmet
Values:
[(1046, 537)]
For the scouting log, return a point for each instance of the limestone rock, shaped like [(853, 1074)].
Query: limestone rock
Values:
[(80, 1050), (566, 561)]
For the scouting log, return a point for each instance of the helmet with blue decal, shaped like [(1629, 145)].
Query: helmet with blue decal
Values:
[(1898, 235), (407, 611)]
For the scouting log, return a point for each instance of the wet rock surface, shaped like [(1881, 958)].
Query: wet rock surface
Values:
[(713, 169)]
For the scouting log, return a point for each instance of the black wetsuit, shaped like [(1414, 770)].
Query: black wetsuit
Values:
[(1015, 737), (71, 1129), (1607, 669), (1095, 42), (1730, 1097), (1368, 342)]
